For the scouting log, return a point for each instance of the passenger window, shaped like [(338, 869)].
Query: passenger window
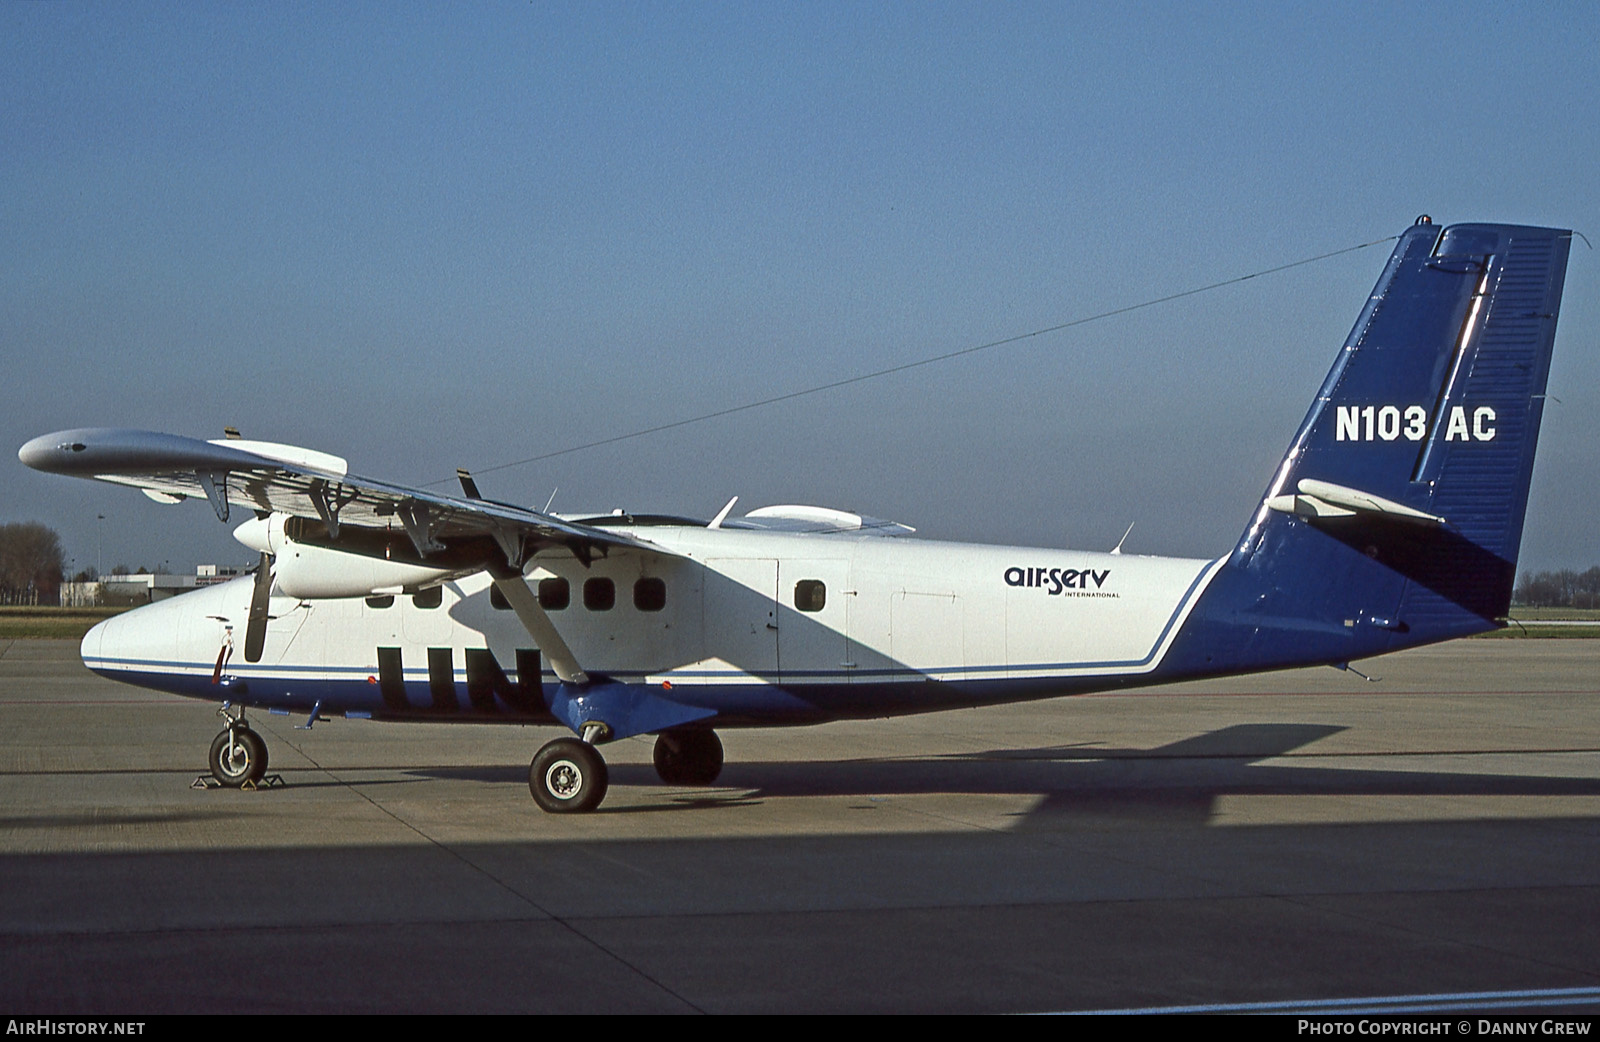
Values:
[(650, 594), (385, 601), (432, 597), (554, 594), (810, 594), (497, 600), (599, 594)]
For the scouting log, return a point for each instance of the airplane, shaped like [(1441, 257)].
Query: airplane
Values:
[(1394, 520)]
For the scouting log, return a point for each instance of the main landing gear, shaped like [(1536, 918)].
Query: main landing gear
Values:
[(568, 775), (688, 756), (238, 754)]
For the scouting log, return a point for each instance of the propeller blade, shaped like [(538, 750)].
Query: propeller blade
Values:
[(255, 634)]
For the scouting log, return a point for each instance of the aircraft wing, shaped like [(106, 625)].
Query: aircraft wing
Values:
[(269, 477)]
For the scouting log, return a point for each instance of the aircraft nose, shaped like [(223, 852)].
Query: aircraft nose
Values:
[(136, 639), (92, 641)]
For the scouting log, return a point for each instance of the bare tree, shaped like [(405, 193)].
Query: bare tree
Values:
[(1560, 589), (30, 564)]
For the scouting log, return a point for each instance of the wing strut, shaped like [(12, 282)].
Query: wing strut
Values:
[(216, 486), (328, 502), (510, 542), (418, 521), (514, 588)]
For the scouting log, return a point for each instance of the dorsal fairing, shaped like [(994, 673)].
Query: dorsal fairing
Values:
[(817, 520)]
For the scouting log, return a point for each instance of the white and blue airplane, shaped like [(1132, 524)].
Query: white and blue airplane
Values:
[(1394, 520)]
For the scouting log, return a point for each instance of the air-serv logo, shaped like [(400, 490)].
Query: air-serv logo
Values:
[(1062, 582), (1388, 422)]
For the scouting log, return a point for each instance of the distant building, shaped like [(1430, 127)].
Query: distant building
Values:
[(80, 595), (122, 590)]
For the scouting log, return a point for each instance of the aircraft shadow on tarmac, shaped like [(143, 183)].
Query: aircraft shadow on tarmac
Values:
[(1174, 784), (102, 817)]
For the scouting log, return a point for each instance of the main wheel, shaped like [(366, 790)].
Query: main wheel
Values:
[(238, 755), (568, 776), (691, 756)]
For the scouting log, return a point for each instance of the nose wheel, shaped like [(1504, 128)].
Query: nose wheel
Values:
[(238, 756)]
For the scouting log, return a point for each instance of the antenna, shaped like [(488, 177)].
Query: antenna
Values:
[(722, 515), (1118, 548), (552, 499)]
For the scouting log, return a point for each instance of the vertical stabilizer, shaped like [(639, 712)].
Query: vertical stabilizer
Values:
[(1396, 515)]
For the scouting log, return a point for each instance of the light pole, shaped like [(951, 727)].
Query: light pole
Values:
[(99, 562)]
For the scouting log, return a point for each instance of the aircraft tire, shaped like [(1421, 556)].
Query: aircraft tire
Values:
[(691, 756), (247, 762), (568, 776)]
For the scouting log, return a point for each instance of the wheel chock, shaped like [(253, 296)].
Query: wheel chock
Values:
[(271, 781)]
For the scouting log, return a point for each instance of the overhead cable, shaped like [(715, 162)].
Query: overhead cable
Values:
[(932, 360)]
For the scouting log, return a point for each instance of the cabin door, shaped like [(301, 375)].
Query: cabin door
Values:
[(740, 620)]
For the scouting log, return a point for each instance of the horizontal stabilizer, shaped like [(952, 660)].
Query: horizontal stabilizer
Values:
[(1323, 499)]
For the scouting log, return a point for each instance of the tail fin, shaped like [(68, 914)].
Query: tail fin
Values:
[(1396, 515)]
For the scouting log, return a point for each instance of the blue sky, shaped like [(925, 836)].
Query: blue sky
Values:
[(423, 236)]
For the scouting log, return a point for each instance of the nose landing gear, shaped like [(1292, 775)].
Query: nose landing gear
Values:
[(238, 754)]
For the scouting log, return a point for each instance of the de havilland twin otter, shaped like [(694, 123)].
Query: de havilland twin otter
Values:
[(1393, 520)]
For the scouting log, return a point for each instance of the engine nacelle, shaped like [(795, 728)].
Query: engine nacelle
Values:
[(308, 571)]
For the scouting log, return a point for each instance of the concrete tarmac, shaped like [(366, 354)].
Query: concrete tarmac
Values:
[(1297, 836)]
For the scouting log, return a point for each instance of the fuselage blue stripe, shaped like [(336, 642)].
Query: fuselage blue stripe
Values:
[(288, 671)]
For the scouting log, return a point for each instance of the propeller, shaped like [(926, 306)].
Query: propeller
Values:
[(255, 634)]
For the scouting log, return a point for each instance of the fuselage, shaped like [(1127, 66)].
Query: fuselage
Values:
[(761, 627)]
